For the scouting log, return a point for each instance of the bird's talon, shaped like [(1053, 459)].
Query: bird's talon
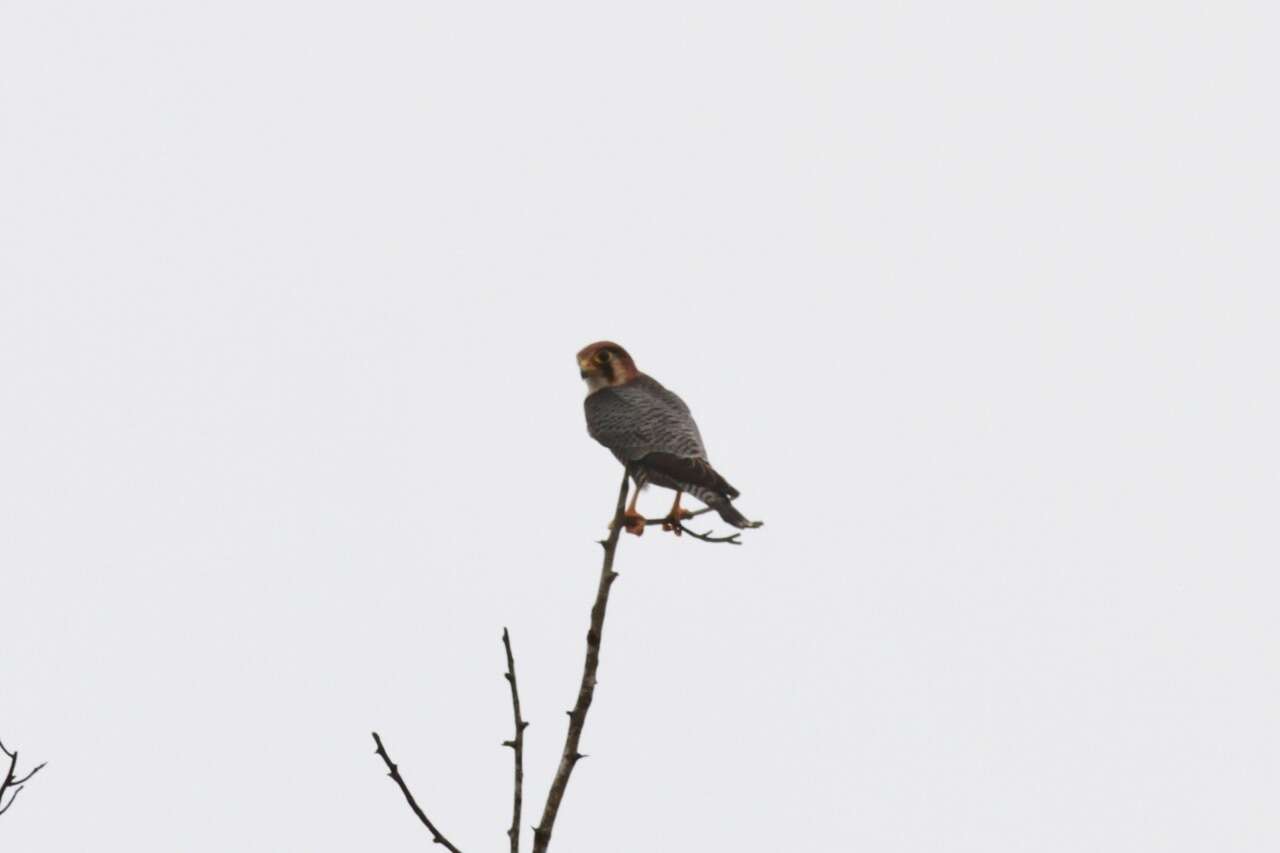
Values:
[(672, 522), (633, 523)]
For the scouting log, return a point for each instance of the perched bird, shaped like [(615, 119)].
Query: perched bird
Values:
[(652, 433)]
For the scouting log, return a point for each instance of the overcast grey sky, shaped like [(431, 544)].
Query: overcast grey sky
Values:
[(976, 305)]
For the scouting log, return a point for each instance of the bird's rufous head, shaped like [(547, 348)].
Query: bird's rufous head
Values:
[(604, 363)]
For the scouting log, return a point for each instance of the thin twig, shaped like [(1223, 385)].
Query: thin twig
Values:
[(517, 746), (570, 756), (731, 539), (408, 795), (12, 797), (10, 782), (24, 779)]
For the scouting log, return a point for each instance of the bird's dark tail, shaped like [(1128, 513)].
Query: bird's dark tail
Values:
[(731, 515)]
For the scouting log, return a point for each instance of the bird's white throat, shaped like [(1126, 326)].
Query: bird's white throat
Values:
[(595, 382)]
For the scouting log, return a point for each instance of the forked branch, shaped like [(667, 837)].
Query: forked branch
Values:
[(12, 784), (666, 523), (569, 755)]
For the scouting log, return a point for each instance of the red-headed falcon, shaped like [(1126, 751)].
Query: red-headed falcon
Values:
[(652, 433)]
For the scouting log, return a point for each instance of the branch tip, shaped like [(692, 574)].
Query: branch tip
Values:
[(516, 744)]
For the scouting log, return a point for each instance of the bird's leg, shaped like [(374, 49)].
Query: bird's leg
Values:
[(677, 515), (633, 521)]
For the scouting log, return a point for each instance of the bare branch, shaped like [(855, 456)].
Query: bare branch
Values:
[(517, 746), (408, 795), (731, 539), (570, 756), (10, 781), (24, 779), (12, 797)]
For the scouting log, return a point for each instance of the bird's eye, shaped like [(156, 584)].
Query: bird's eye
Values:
[(603, 356)]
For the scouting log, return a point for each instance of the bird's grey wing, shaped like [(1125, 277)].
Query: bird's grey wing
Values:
[(640, 418), (673, 427)]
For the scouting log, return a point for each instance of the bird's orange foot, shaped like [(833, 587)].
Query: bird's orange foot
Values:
[(672, 521), (633, 523)]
